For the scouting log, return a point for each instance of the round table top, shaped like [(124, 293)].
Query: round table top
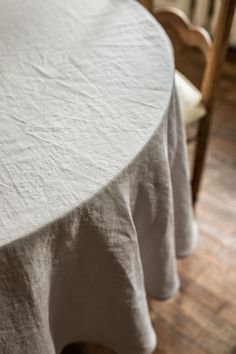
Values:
[(84, 85)]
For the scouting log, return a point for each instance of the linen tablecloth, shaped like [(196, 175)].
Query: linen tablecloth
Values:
[(94, 191)]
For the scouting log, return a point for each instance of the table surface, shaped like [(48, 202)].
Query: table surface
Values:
[(84, 85)]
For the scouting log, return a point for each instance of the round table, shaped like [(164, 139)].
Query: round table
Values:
[(94, 195)]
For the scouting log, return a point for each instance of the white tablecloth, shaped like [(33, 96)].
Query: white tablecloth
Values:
[(94, 192)]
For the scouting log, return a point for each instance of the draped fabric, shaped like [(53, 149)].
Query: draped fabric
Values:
[(95, 201)]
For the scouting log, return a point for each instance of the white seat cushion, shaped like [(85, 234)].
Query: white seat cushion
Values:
[(190, 99)]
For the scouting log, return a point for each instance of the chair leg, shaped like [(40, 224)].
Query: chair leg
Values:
[(200, 155)]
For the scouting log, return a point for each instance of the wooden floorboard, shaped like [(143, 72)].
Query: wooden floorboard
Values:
[(201, 319)]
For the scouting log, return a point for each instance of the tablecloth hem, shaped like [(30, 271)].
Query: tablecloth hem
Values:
[(167, 294), (189, 251)]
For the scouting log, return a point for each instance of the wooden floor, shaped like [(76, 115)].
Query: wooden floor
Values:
[(202, 317)]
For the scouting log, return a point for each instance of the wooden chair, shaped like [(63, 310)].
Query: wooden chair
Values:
[(148, 4), (196, 105)]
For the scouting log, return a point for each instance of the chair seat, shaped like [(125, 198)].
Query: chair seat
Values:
[(190, 99)]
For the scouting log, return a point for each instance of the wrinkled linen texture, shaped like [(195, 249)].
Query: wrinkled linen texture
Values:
[(82, 274), (82, 277)]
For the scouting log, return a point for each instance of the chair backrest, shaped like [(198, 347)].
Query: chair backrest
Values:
[(214, 50), (148, 4)]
